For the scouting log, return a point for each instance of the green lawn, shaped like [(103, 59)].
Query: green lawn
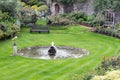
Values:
[(20, 68)]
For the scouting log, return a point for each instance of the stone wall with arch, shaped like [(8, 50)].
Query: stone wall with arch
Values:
[(54, 6), (77, 6)]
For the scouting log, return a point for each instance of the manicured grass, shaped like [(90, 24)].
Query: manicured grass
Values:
[(20, 68)]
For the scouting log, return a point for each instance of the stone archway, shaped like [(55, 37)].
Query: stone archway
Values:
[(57, 9)]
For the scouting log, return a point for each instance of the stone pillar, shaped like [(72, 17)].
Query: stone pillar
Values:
[(14, 49)]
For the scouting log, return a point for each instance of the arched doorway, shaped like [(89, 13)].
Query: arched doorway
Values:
[(57, 9)]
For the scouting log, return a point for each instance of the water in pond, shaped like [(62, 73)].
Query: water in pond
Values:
[(52, 52)]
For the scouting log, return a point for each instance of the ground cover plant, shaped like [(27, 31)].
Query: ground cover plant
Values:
[(20, 68), (108, 69), (108, 31)]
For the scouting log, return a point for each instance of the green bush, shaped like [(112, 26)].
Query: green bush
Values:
[(68, 2), (84, 19), (27, 15), (8, 6), (118, 26), (7, 19), (85, 76), (76, 16), (33, 2), (40, 3), (55, 20), (11, 30), (26, 19), (1, 34), (108, 31), (107, 64), (3, 16)]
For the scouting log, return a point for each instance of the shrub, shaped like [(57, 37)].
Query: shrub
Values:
[(15, 28), (118, 26), (108, 64), (11, 30), (108, 31), (40, 3), (110, 75), (55, 20), (76, 16), (1, 34), (111, 64), (7, 19), (8, 6), (26, 19), (3, 16), (33, 2), (42, 8)]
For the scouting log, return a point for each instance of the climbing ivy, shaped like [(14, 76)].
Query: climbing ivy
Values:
[(100, 5), (69, 2)]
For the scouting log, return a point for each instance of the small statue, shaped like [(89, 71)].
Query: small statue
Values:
[(52, 51)]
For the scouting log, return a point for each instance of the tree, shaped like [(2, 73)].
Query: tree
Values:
[(8, 6), (34, 2), (101, 5), (68, 2)]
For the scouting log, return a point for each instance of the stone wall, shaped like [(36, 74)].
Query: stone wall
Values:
[(52, 8), (68, 8), (77, 6), (117, 17), (86, 7)]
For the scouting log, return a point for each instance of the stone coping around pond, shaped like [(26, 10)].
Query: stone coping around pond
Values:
[(75, 51)]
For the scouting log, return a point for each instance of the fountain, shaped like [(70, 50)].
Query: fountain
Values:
[(52, 52)]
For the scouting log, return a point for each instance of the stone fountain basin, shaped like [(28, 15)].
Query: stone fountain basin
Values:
[(41, 52)]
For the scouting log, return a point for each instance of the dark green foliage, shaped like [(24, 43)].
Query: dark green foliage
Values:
[(118, 26), (59, 21), (67, 2), (34, 2), (101, 5), (10, 30), (8, 10), (83, 18), (81, 0), (91, 21), (108, 31), (28, 17), (40, 3), (9, 7), (85, 76), (76, 16), (88, 76), (33, 18), (1, 33), (3, 16), (107, 64)]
